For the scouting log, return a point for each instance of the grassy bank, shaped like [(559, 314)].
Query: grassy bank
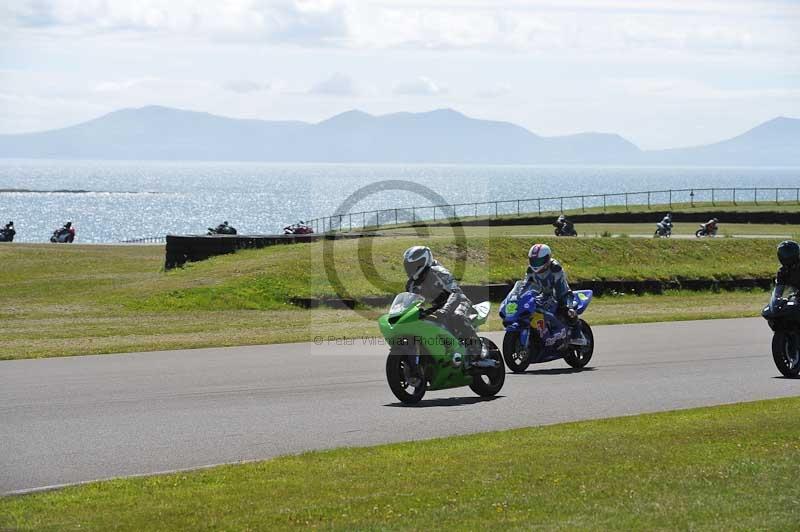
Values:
[(67, 300), (730, 467)]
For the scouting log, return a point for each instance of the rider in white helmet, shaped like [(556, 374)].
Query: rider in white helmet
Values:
[(437, 285), (547, 276)]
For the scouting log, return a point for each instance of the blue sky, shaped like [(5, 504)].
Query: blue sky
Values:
[(662, 74)]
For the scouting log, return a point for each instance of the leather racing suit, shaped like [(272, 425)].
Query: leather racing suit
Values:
[(553, 283), (449, 306)]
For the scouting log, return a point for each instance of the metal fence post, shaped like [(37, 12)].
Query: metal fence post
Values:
[(539, 201), (395, 217), (755, 195), (713, 203), (476, 209), (583, 204), (626, 202), (648, 201), (562, 204), (413, 215), (495, 209), (670, 199), (734, 196), (517, 207), (604, 203), (776, 196), (434, 213), (351, 222)]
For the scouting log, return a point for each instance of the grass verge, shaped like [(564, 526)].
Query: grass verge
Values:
[(731, 467)]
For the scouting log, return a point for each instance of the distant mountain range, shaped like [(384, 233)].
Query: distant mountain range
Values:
[(441, 136)]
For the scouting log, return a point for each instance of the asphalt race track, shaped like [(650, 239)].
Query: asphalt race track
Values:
[(67, 420)]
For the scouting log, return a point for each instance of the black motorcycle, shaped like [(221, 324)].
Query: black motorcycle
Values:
[(7, 234), (222, 229), (63, 236), (783, 316), (564, 228)]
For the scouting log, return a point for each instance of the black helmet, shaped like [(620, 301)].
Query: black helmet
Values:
[(68, 225), (788, 253)]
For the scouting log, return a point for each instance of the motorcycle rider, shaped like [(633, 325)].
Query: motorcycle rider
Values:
[(789, 272), (449, 306), (665, 225), (564, 225), (9, 230), (710, 226), (546, 276)]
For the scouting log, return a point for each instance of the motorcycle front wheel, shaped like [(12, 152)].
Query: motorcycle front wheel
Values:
[(699, 233), (406, 384), (579, 356), (786, 353), (516, 355), (489, 382)]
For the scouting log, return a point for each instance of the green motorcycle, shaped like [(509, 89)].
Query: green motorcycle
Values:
[(424, 355)]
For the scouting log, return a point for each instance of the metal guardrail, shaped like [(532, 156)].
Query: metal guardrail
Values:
[(557, 204)]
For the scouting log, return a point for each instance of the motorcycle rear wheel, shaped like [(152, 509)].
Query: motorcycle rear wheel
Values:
[(490, 382), (517, 358), (579, 356), (396, 363), (699, 233), (786, 353)]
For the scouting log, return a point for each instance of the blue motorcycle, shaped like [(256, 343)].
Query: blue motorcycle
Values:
[(535, 334)]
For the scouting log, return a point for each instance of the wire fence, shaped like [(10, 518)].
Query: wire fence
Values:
[(672, 198)]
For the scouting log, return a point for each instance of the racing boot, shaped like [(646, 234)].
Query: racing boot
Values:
[(576, 336)]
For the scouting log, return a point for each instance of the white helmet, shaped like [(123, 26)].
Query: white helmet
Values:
[(416, 260), (539, 257)]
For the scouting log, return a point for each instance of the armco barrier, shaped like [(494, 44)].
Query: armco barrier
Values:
[(181, 249)]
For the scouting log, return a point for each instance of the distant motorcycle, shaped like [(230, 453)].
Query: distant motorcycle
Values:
[(7, 234), (300, 228), (564, 227), (707, 229), (535, 334), (222, 229), (783, 317), (662, 230), (63, 235)]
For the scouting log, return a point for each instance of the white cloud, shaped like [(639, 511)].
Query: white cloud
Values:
[(494, 92), (421, 86), (337, 85), (588, 26), (244, 86), (122, 85)]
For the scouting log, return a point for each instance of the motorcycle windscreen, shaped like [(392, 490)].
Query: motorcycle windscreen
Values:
[(582, 299), (403, 301)]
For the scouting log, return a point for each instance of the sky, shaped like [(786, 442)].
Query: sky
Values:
[(660, 73)]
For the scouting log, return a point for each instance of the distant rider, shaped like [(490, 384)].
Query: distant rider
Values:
[(9, 231), (710, 226), (789, 272), (565, 226), (449, 305), (547, 277), (667, 221)]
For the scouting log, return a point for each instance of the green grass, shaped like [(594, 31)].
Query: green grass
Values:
[(723, 468), (71, 300)]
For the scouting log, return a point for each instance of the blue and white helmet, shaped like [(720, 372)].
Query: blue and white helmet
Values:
[(539, 257)]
